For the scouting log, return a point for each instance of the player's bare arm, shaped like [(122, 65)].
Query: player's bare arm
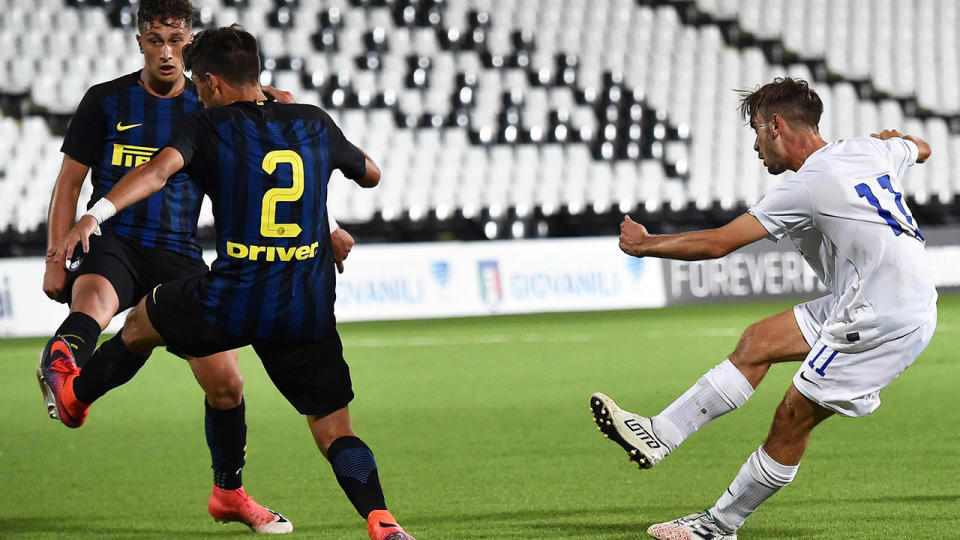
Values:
[(693, 245), (136, 185), (63, 208), (924, 148), (372, 177)]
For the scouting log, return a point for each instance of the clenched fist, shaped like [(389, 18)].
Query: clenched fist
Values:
[(632, 237)]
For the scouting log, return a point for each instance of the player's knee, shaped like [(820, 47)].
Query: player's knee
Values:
[(134, 342), (133, 327), (137, 333), (95, 306), (226, 392), (94, 296)]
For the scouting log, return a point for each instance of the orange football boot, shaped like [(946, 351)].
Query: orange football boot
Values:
[(226, 505), (381, 525), (56, 371)]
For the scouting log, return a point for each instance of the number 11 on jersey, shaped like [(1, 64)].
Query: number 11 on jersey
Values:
[(864, 191)]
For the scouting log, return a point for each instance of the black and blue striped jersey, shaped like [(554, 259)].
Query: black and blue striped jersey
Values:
[(119, 125), (266, 167)]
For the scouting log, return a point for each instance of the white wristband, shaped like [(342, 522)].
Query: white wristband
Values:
[(102, 210), (333, 223)]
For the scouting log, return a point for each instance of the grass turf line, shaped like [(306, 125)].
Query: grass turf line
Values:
[(481, 429)]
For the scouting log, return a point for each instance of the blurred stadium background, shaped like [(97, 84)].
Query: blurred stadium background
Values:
[(503, 120)]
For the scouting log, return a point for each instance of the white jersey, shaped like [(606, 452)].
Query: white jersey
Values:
[(845, 212)]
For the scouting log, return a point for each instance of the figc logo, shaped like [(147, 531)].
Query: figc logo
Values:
[(491, 290)]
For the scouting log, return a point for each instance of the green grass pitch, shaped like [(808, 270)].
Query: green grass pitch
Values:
[(481, 429)]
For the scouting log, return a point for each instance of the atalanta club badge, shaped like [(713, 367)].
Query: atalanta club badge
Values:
[(74, 264)]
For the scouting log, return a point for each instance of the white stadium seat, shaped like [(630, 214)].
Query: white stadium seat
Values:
[(503, 106)]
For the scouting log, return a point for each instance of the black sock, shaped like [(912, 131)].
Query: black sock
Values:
[(81, 332), (356, 472), (109, 367), (227, 439)]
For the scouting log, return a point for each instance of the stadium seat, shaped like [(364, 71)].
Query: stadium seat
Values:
[(492, 107)]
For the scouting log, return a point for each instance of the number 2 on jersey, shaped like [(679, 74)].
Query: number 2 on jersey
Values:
[(268, 216), (864, 191)]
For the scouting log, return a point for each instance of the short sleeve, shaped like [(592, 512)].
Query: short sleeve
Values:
[(86, 132), (343, 154), (903, 153), (188, 136), (785, 209)]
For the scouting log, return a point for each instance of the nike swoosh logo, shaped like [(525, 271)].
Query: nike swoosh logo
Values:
[(386, 525), (803, 375), (60, 346), (121, 127)]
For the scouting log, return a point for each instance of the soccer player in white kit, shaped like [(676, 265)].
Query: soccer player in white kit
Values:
[(844, 211)]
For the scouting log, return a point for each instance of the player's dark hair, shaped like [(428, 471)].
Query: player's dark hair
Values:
[(229, 52), (166, 11), (793, 99)]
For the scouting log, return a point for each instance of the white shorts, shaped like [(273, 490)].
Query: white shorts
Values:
[(850, 383)]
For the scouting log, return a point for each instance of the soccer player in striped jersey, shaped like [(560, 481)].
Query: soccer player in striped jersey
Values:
[(265, 167), (119, 125)]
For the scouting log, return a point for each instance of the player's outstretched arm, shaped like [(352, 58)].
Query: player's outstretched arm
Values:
[(63, 208), (146, 179), (693, 245), (136, 185), (923, 147)]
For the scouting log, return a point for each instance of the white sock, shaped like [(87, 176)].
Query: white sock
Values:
[(758, 479), (719, 391)]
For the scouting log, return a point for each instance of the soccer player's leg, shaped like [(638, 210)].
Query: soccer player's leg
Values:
[(177, 317), (356, 471), (768, 470), (315, 379), (123, 355), (119, 358), (827, 382), (99, 284), (226, 432), (94, 301), (725, 387), (224, 416)]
